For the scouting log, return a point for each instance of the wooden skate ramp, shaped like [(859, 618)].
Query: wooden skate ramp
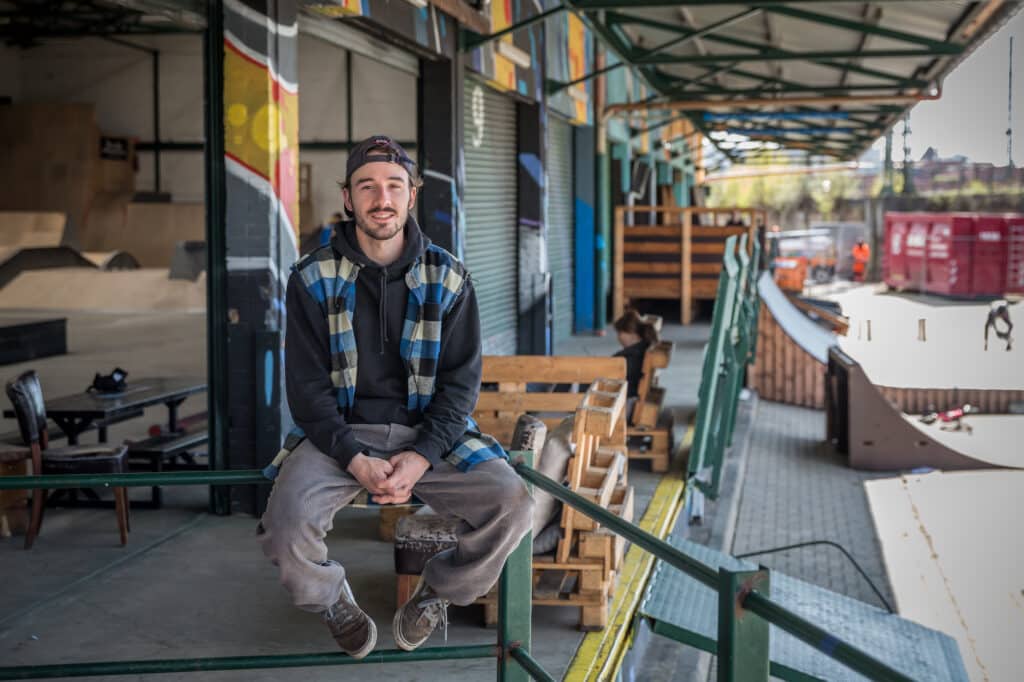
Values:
[(14, 261), (91, 289), (876, 435), (927, 353), (148, 231), (22, 229), (792, 351)]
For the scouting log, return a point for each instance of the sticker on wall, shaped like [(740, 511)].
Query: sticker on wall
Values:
[(478, 115)]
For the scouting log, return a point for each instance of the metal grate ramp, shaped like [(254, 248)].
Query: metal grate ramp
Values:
[(683, 609)]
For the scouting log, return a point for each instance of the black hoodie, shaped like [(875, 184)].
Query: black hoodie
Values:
[(382, 380)]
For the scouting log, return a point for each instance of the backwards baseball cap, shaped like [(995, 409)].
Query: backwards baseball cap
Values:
[(378, 148)]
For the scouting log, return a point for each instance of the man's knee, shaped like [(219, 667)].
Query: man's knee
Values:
[(518, 500)]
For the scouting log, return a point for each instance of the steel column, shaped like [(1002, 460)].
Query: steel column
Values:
[(742, 636)]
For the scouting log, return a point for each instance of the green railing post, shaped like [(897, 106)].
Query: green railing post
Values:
[(740, 333), (702, 453), (755, 298), (742, 635), (713, 455), (515, 603)]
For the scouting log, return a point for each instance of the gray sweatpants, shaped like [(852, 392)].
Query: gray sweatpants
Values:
[(493, 504)]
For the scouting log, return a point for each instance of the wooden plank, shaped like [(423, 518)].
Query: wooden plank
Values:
[(653, 286), (701, 232), (560, 369), (528, 402), (715, 248), (686, 274), (706, 268), (651, 231), (651, 247), (657, 268)]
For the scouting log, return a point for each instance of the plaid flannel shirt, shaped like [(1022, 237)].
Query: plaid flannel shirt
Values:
[(435, 281)]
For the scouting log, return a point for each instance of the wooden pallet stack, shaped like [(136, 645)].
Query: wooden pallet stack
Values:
[(647, 424), (582, 571), (679, 257)]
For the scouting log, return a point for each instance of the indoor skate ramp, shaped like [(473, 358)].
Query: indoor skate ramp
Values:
[(23, 229), (148, 231), (876, 435), (952, 553), (145, 289), (16, 260)]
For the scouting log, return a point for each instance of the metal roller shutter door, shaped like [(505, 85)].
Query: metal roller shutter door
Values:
[(491, 213), (561, 226)]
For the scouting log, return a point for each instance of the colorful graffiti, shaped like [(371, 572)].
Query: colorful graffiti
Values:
[(261, 127)]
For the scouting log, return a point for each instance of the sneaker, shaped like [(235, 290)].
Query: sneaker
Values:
[(418, 617), (353, 630)]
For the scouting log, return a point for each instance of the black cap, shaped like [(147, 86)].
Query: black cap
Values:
[(378, 148)]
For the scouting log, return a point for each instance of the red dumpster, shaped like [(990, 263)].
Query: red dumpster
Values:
[(950, 238), (988, 271), (894, 265), (915, 249), (1015, 254)]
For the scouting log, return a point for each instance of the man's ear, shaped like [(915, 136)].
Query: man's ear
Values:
[(412, 197), (348, 200)]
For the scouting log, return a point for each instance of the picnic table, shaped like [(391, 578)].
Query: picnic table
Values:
[(79, 412)]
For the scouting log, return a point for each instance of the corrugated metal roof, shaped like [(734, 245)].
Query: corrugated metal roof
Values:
[(845, 55)]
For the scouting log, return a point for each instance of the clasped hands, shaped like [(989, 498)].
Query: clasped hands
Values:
[(389, 481)]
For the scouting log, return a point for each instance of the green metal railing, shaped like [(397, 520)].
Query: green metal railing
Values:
[(743, 642), (511, 651), (745, 606), (730, 349)]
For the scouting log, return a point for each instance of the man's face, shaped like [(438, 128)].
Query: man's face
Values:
[(380, 197)]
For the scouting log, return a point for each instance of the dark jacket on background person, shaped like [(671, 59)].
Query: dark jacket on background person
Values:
[(634, 365), (382, 379)]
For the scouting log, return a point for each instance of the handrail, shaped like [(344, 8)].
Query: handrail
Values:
[(753, 601), (183, 665), (794, 624)]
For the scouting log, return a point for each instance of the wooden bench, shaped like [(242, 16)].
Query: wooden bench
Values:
[(163, 451), (649, 435)]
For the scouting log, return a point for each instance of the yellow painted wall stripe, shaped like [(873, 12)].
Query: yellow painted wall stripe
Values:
[(599, 655)]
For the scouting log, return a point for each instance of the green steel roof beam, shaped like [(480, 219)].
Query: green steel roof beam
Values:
[(736, 42), (824, 90), (782, 55), (555, 86), (470, 40), (627, 4), (700, 33), (857, 26)]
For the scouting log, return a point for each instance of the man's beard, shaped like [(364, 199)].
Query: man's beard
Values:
[(380, 233)]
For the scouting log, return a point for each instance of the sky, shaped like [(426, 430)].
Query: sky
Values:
[(970, 118)]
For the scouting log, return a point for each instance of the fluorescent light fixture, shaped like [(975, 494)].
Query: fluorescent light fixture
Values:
[(579, 94), (514, 54), (417, 3)]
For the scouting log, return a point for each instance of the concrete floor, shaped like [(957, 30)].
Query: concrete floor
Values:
[(189, 584)]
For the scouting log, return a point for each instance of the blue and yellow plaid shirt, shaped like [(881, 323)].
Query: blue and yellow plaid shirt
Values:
[(435, 281)]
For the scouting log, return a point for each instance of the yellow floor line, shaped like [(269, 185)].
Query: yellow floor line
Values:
[(599, 655)]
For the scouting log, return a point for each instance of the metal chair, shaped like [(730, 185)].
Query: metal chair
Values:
[(26, 395)]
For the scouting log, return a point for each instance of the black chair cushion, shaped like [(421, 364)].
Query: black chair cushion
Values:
[(86, 459), (27, 398)]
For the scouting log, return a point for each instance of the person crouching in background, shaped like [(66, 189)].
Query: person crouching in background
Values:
[(636, 336)]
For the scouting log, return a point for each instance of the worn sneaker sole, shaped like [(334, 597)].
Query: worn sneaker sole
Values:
[(401, 641), (371, 642)]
